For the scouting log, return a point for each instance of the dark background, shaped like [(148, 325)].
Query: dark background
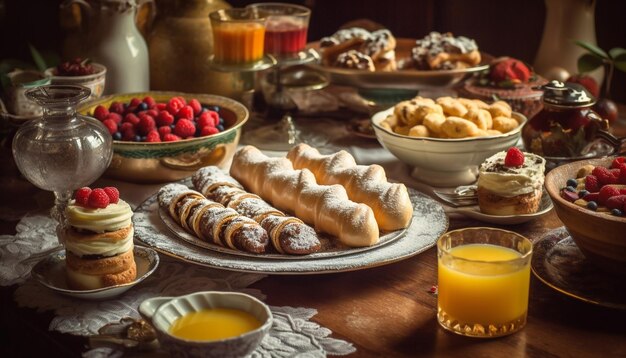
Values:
[(500, 27)]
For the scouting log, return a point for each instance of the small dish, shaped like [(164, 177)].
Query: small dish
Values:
[(560, 264), (474, 212), (161, 312), (361, 127), (50, 272)]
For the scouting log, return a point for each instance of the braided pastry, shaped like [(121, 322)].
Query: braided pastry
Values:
[(289, 235), (326, 207), (211, 221), (364, 184)]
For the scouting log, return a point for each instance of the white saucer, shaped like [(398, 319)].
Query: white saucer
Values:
[(474, 212), (50, 272)]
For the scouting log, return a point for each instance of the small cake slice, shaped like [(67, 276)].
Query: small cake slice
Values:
[(511, 183), (98, 240)]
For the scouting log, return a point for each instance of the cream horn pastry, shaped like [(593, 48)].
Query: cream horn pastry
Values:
[(98, 240), (211, 221), (289, 235), (364, 184), (326, 207)]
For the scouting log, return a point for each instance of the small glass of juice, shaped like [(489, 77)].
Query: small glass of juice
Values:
[(484, 278), (238, 36), (286, 28)]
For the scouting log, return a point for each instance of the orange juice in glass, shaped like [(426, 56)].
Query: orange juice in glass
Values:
[(484, 277), (238, 36)]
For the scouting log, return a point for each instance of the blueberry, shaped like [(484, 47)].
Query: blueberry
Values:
[(592, 205), (220, 128), (172, 126), (117, 136), (582, 193), (617, 212), (222, 120), (572, 182), (142, 106), (137, 138), (571, 188), (214, 108)]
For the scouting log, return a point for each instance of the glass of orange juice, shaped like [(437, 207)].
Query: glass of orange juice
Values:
[(238, 36), (484, 279)]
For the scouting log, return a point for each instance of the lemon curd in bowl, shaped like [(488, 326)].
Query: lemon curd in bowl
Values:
[(158, 162)]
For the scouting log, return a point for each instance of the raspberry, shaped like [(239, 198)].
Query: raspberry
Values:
[(185, 112), (146, 124), (114, 116), (606, 192), (616, 202), (514, 158), (164, 118), (184, 128), (592, 184), (98, 198), (152, 112), (604, 175), (175, 104), (617, 162), (113, 194), (153, 136), (116, 107), (134, 102), (197, 107), (163, 130), (149, 101), (126, 125), (171, 137), (82, 196), (622, 191), (510, 70), (100, 112), (592, 197), (129, 133), (161, 106), (205, 119), (111, 125), (208, 130), (131, 118)]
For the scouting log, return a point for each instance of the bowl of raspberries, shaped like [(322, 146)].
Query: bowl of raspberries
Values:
[(79, 71), (589, 197), (166, 136)]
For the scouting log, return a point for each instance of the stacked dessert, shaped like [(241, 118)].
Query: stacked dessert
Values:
[(438, 51), (357, 48), (98, 240), (511, 183)]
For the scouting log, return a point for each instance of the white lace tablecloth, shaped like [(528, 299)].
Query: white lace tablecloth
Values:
[(292, 334)]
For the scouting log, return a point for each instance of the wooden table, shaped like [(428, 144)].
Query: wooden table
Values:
[(385, 311)]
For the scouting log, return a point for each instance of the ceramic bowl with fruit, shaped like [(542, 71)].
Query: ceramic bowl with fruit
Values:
[(589, 197), (451, 156), (166, 136), (80, 72)]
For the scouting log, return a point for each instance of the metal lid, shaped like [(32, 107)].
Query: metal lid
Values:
[(566, 94)]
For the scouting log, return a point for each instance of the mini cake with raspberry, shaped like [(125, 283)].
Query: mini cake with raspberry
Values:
[(98, 240), (509, 80), (511, 183)]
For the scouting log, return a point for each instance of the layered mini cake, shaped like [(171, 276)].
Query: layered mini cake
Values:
[(98, 240), (511, 183)]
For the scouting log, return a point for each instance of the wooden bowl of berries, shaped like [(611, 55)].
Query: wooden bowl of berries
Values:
[(589, 197), (80, 72), (166, 136)]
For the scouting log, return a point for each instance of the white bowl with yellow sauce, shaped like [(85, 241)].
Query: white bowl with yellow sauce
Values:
[(209, 323)]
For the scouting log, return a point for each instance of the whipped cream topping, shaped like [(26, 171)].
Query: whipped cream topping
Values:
[(512, 181), (101, 247), (111, 218)]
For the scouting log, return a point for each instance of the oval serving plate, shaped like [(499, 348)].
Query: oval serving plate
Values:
[(330, 247), (50, 272)]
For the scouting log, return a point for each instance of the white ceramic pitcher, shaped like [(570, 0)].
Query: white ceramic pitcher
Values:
[(117, 43)]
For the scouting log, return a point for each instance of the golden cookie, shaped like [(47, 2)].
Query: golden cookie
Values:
[(480, 117), (456, 127), (433, 122), (451, 106), (419, 131), (504, 124), (500, 108)]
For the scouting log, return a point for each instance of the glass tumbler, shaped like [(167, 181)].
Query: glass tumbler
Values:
[(238, 36), (484, 279), (286, 28)]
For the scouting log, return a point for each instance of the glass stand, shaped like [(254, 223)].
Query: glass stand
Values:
[(288, 74)]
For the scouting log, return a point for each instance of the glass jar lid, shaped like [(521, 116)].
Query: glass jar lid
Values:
[(570, 95)]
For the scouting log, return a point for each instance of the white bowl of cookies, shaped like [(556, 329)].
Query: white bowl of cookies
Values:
[(445, 139)]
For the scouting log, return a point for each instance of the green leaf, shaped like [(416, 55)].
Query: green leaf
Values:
[(37, 58), (620, 62), (593, 49), (617, 52), (588, 62)]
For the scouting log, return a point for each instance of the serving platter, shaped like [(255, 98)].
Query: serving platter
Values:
[(428, 223), (405, 78), (560, 264)]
